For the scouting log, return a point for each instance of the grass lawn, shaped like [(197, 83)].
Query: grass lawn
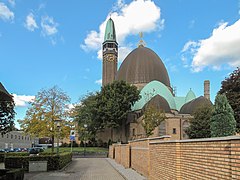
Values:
[(79, 149)]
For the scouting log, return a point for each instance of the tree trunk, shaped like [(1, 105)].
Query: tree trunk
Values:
[(112, 134), (52, 143)]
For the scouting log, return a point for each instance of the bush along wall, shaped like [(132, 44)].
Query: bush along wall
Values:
[(54, 161)]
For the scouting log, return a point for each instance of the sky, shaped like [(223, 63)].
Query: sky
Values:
[(47, 43)]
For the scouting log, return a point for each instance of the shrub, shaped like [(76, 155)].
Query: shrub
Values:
[(81, 144), (2, 155), (17, 154), (54, 161), (65, 145), (13, 174)]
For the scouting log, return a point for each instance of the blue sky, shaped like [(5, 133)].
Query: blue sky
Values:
[(47, 43)]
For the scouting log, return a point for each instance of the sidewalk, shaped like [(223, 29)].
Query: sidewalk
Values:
[(128, 173), (88, 169), (80, 168)]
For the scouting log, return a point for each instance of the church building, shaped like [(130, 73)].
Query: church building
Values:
[(144, 69)]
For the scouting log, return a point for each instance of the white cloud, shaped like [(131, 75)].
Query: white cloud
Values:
[(30, 22), (99, 82), (49, 26), (12, 2), (222, 47), (129, 19), (69, 107), (5, 13), (22, 100)]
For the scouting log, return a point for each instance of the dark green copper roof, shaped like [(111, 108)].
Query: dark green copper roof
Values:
[(191, 106), (4, 95), (143, 65), (110, 34)]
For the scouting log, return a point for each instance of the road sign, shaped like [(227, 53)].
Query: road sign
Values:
[(72, 138), (72, 133)]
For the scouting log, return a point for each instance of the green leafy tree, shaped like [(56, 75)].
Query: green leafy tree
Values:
[(152, 118), (114, 103), (222, 120), (48, 106), (231, 88), (7, 115), (85, 113), (200, 123)]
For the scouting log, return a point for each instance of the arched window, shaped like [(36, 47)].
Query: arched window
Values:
[(185, 125), (162, 128)]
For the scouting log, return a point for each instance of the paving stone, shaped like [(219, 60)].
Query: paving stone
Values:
[(128, 173), (81, 169)]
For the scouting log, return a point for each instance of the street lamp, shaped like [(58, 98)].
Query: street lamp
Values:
[(85, 127), (58, 124)]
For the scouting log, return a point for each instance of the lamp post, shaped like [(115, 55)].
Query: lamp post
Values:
[(85, 127), (58, 125)]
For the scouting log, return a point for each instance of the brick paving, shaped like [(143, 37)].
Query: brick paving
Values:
[(81, 169)]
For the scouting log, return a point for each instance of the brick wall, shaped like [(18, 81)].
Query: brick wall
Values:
[(125, 155), (118, 155), (111, 152), (157, 158), (163, 161), (213, 158), (140, 156)]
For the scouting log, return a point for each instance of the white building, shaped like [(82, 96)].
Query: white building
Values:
[(16, 139)]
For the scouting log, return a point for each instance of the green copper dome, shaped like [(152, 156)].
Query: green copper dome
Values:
[(190, 96), (110, 34), (152, 89)]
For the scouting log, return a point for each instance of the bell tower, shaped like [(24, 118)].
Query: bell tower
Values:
[(110, 54)]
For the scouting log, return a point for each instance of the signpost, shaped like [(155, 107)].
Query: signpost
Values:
[(72, 137)]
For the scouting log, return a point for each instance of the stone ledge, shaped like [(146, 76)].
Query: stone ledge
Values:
[(227, 138)]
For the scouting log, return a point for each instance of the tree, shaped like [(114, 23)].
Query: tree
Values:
[(152, 118), (114, 103), (7, 115), (222, 120), (48, 106), (231, 88), (200, 123), (85, 113)]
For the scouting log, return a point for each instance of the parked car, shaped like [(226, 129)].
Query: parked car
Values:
[(9, 150), (17, 150), (24, 149), (2, 150), (35, 150)]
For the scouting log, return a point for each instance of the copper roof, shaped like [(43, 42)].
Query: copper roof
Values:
[(143, 65), (191, 106), (4, 95), (160, 103)]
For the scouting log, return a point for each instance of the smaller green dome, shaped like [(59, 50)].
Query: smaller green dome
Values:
[(190, 96), (110, 34), (152, 89)]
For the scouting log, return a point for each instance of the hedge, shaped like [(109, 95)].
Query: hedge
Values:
[(2, 156), (54, 161)]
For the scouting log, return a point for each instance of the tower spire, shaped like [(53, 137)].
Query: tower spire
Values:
[(110, 53)]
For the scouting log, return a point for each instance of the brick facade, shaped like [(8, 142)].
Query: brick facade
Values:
[(159, 158)]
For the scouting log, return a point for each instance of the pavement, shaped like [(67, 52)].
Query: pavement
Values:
[(88, 169)]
